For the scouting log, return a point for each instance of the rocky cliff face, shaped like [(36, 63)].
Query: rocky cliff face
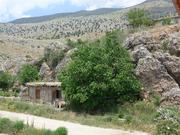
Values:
[(156, 54)]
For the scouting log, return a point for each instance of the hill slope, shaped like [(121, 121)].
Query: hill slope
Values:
[(81, 24), (62, 15), (22, 43)]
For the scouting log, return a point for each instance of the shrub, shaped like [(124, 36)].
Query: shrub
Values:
[(28, 73), (6, 81), (166, 128), (61, 131), (165, 45), (74, 44), (100, 76), (53, 57), (129, 119), (4, 125), (166, 21), (168, 121), (168, 114), (139, 17), (18, 125)]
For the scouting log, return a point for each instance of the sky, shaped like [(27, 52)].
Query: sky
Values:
[(14, 9)]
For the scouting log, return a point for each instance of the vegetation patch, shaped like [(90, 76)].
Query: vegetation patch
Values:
[(28, 73), (6, 81), (139, 17), (140, 115), (18, 128), (100, 76)]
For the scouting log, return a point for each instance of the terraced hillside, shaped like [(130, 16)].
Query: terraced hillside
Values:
[(82, 23)]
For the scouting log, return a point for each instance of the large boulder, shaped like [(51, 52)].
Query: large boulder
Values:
[(172, 65), (139, 53), (65, 61), (154, 75), (172, 97), (45, 72), (157, 59)]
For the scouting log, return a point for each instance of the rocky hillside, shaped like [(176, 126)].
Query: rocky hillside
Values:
[(14, 52), (86, 24), (156, 53), (157, 57)]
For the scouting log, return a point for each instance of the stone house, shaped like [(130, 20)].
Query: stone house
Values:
[(44, 92)]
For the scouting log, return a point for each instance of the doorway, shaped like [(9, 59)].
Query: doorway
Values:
[(57, 94), (37, 93)]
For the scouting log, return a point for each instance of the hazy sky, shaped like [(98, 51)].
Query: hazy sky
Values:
[(13, 9)]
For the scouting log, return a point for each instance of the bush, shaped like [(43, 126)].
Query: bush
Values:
[(165, 45), (139, 17), (74, 44), (166, 21), (61, 131), (100, 76), (5, 125), (168, 114), (28, 73), (168, 121), (6, 81), (167, 128), (19, 125)]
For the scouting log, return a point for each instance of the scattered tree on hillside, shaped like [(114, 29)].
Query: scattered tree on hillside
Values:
[(139, 17)]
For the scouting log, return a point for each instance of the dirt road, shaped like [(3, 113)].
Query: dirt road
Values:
[(73, 129)]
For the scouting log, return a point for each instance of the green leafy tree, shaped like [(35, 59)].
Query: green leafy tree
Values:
[(6, 81), (28, 73), (139, 17), (100, 76)]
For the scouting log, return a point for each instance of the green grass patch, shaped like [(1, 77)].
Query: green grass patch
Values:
[(9, 93), (18, 128), (138, 116)]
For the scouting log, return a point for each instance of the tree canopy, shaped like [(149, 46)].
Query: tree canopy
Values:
[(139, 17), (100, 75), (28, 73)]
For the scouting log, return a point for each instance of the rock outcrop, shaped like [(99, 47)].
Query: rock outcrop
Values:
[(157, 58), (45, 72), (65, 61)]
